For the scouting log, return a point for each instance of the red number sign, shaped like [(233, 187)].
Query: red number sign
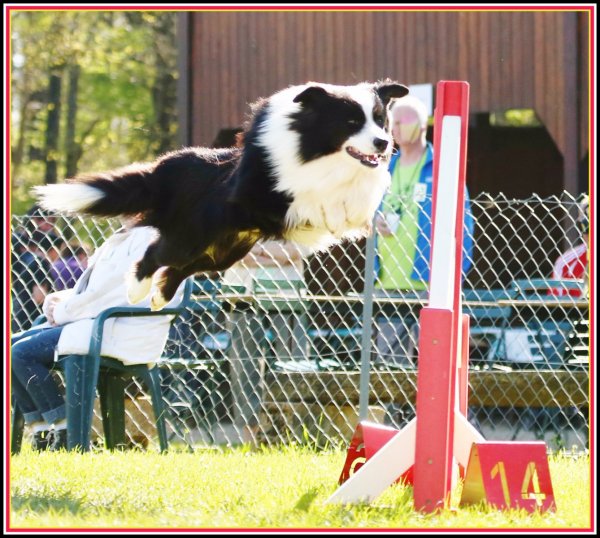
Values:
[(509, 475)]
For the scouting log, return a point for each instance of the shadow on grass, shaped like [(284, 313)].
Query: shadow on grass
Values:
[(307, 499), (40, 504)]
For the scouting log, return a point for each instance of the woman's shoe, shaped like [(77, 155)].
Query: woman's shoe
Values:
[(59, 440), (41, 440)]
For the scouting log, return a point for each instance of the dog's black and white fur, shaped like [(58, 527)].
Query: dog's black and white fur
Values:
[(312, 169)]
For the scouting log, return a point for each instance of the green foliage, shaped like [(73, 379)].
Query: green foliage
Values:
[(517, 117), (282, 487), (124, 58)]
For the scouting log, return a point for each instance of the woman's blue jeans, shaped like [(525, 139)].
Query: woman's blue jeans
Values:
[(33, 388)]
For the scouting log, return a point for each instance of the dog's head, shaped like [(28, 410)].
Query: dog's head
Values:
[(324, 119), (319, 136), (347, 119)]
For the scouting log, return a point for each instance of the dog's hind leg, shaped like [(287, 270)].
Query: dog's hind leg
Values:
[(166, 282)]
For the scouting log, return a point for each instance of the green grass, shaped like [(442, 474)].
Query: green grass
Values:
[(244, 489)]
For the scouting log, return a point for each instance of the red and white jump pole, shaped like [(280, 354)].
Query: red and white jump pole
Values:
[(427, 449), (440, 334)]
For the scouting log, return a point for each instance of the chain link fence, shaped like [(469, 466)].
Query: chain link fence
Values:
[(270, 356)]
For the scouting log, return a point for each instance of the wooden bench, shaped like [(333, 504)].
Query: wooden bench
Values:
[(522, 388), (328, 401)]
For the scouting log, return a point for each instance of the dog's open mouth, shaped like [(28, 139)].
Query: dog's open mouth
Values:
[(372, 161)]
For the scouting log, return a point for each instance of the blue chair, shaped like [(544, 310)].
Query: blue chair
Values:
[(83, 374), (487, 320), (547, 321), (315, 348), (540, 321)]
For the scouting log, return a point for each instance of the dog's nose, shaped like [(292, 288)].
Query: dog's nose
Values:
[(380, 144)]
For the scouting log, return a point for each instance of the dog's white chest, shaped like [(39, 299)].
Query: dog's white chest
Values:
[(337, 210)]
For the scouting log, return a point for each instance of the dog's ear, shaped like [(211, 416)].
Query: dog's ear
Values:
[(388, 89), (310, 95)]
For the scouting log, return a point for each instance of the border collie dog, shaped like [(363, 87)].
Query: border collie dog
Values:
[(312, 169)]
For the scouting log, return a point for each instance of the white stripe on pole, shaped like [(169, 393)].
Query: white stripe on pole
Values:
[(441, 284)]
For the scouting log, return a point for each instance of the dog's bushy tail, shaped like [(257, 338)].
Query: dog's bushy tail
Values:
[(125, 191)]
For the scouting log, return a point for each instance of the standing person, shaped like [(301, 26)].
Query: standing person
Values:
[(20, 257), (275, 260), (404, 229), (68, 267), (573, 263), (40, 219), (31, 277), (49, 247), (70, 314)]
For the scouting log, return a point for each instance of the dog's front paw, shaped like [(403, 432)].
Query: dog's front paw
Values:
[(137, 290)]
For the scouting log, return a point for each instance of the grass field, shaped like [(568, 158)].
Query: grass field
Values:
[(246, 489)]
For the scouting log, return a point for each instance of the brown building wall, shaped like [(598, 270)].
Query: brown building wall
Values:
[(512, 59), (517, 59)]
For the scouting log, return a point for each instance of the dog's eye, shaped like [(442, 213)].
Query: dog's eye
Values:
[(354, 122), (379, 120)]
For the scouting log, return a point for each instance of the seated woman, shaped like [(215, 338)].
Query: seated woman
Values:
[(70, 316)]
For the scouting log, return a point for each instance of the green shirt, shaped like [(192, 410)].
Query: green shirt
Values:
[(397, 252)]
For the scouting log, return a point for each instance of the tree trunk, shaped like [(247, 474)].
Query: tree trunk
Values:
[(72, 148), (163, 97), (53, 125), (164, 89), (19, 150)]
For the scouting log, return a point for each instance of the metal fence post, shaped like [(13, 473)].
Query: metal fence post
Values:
[(367, 323)]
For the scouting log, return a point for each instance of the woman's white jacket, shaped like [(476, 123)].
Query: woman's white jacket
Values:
[(133, 340)]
